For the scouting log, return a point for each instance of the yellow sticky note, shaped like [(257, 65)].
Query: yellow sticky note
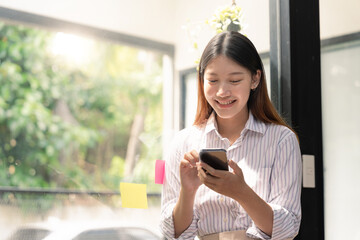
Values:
[(133, 195)]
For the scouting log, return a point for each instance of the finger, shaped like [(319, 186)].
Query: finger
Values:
[(185, 164), (195, 154), (207, 179), (202, 175), (235, 167), (201, 171), (198, 166), (212, 171), (205, 166), (189, 156), (212, 182)]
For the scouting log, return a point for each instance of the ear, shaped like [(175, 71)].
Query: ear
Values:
[(255, 80)]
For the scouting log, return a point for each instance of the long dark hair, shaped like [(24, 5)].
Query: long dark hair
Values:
[(240, 49)]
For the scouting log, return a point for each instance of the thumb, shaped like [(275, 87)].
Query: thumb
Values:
[(235, 167)]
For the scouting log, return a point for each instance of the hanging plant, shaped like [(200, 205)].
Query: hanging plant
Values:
[(227, 19)]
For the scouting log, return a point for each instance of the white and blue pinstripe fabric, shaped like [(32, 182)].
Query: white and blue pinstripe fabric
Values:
[(270, 159)]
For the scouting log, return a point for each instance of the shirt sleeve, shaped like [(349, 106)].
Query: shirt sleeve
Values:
[(170, 195), (285, 192)]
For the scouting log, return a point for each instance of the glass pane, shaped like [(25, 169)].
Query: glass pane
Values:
[(340, 75), (29, 234), (266, 63), (190, 98), (77, 116)]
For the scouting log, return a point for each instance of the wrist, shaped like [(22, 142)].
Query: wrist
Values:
[(188, 193), (242, 193)]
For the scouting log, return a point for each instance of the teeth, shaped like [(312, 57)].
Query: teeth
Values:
[(225, 103)]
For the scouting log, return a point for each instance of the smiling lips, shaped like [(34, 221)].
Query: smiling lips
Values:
[(225, 104)]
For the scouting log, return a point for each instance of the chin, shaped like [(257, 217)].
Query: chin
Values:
[(225, 116)]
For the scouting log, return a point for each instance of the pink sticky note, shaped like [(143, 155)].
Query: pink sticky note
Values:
[(159, 171)]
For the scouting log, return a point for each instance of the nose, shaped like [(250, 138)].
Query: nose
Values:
[(223, 90)]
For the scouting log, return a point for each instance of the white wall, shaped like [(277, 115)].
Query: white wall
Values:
[(339, 17), (162, 20), (143, 18), (256, 17)]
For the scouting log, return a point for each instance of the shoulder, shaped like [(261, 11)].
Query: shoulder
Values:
[(186, 139), (280, 133), (186, 133)]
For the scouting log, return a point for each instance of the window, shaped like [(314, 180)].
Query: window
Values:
[(340, 60), (78, 115)]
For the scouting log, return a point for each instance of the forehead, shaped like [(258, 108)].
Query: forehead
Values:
[(224, 65)]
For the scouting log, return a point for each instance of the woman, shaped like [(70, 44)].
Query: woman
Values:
[(260, 196)]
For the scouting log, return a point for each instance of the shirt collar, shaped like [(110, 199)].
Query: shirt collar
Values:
[(255, 125), (252, 124), (211, 123)]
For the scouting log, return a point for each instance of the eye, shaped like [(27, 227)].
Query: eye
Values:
[(235, 81), (212, 81)]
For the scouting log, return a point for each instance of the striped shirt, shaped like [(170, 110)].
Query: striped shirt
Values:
[(269, 156)]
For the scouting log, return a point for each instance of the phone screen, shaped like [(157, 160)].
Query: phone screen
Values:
[(214, 157)]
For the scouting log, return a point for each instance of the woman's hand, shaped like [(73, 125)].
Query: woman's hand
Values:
[(190, 182), (231, 184), (189, 173)]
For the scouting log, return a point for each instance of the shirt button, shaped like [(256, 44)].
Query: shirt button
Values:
[(221, 199), (225, 219)]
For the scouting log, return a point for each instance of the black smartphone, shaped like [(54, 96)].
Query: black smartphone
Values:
[(214, 157)]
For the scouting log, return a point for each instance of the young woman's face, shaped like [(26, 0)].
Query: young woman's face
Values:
[(227, 87)]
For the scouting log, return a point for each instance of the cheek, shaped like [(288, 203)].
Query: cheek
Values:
[(208, 91), (244, 93)]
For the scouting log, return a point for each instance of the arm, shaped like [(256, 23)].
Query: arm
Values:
[(177, 215), (183, 212), (278, 214), (286, 189), (259, 211), (233, 185)]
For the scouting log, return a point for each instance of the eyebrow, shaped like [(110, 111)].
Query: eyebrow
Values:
[(232, 73)]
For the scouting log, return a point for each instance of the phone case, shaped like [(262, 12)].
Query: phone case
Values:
[(215, 158)]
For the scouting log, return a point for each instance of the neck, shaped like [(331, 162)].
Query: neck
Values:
[(231, 128)]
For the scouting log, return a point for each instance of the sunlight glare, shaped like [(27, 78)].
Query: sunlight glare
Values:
[(73, 48)]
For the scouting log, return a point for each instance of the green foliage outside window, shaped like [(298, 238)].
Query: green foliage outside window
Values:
[(67, 126)]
